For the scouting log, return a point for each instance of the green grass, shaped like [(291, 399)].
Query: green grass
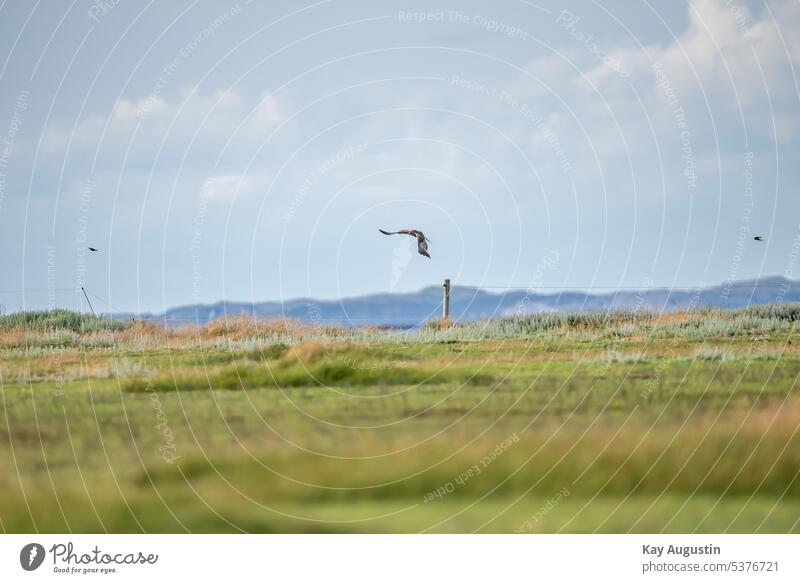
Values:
[(549, 423)]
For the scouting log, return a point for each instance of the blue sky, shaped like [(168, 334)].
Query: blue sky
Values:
[(250, 151)]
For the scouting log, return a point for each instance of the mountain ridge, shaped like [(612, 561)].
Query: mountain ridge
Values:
[(472, 303)]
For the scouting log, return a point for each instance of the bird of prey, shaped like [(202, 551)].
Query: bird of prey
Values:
[(758, 238), (422, 240), (92, 249)]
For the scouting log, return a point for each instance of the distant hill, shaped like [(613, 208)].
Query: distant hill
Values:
[(468, 303)]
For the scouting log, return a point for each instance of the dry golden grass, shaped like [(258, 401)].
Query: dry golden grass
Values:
[(239, 327), (677, 317), (306, 352), (440, 324), (154, 335)]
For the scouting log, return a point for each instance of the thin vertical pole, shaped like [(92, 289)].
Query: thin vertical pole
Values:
[(87, 301), (446, 302)]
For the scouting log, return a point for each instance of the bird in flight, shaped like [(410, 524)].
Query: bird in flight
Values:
[(758, 238), (422, 240), (93, 249)]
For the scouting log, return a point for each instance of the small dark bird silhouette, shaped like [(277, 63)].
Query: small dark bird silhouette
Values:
[(422, 240), (93, 249), (758, 238)]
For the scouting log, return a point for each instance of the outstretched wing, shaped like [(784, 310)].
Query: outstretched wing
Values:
[(422, 242)]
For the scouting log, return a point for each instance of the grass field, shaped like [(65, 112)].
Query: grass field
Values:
[(616, 422)]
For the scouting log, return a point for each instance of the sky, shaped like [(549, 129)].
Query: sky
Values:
[(250, 150)]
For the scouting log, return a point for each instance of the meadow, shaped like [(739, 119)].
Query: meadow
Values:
[(554, 422)]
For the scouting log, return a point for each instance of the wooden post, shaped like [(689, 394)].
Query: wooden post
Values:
[(446, 301), (88, 302)]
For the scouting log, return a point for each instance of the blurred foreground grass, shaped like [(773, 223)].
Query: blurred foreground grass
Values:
[(548, 423)]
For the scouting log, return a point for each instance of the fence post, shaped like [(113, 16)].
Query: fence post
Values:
[(446, 301), (87, 301)]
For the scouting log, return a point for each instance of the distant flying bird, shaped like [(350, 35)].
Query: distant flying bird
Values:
[(92, 249), (758, 238), (422, 240)]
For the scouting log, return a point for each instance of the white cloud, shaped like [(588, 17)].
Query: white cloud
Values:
[(714, 67), (724, 51), (211, 120), (227, 187), (270, 111)]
